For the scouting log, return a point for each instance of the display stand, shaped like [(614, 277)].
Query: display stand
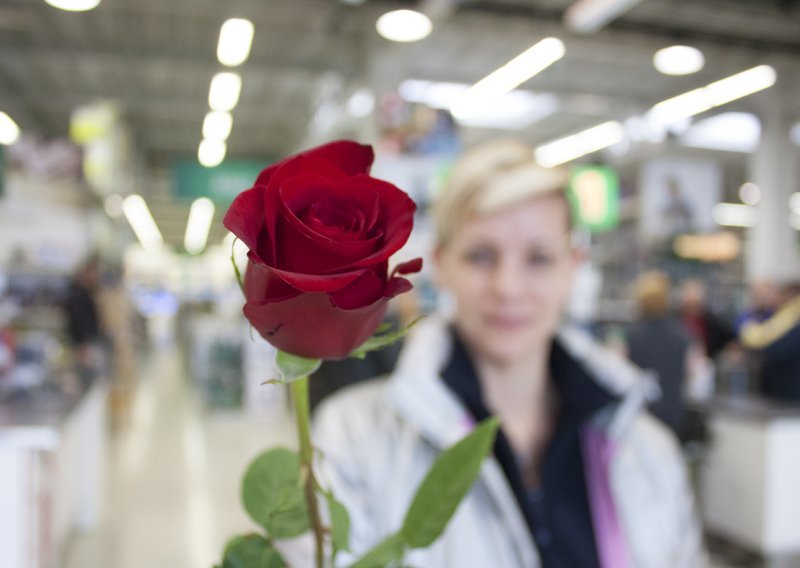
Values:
[(52, 456), (749, 482)]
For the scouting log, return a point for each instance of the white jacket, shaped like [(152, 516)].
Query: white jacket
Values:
[(378, 440)]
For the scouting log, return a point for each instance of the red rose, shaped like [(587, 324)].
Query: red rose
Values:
[(320, 233)]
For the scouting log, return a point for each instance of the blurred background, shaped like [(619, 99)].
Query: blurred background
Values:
[(130, 384)]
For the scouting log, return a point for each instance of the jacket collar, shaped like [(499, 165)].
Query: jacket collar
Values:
[(418, 394)]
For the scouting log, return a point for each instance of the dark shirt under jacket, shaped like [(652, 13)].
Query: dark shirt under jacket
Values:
[(557, 512)]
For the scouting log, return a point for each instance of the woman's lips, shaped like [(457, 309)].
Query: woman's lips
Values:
[(507, 321)]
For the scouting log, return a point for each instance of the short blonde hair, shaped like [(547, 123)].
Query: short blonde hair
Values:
[(651, 293), (489, 178)]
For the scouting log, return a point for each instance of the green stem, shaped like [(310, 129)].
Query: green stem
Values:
[(301, 412)]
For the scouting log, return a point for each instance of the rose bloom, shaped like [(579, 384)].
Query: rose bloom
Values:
[(320, 232)]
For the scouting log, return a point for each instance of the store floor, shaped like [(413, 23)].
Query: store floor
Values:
[(173, 477), (172, 487)]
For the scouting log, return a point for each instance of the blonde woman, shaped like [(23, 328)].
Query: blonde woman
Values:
[(581, 475)]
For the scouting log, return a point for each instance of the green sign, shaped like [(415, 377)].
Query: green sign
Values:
[(221, 184), (595, 196)]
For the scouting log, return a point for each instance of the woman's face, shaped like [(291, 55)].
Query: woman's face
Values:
[(510, 273)]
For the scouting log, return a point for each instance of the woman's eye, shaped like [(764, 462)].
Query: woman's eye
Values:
[(480, 257), (541, 259)]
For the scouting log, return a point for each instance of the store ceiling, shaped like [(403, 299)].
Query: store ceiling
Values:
[(156, 59)]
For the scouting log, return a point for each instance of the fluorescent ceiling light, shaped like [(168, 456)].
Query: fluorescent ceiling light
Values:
[(404, 25), (588, 16), (794, 203), (210, 153), (509, 76), (678, 60), (733, 215), (142, 222), (576, 145), (712, 95), (741, 84), (74, 5), (680, 107), (750, 193), (113, 205), (514, 110), (217, 125), (728, 131), (9, 131), (794, 134), (361, 103), (235, 39), (224, 92), (197, 227)]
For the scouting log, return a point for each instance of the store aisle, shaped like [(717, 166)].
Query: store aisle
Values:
[(172, 488)]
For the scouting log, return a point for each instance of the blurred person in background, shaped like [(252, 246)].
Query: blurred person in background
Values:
[(776, 345), (763, 299), (659, 343), (709, 329), (116, 315), (581, 474), (82, 316)]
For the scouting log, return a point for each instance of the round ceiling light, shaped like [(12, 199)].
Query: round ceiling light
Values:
[(74, 5), (679, 60), (404, 25)]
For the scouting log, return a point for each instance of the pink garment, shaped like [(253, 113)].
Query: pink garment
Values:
[(598, 451)]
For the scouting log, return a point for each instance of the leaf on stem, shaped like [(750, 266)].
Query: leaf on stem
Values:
[(340, 524), (382, 339), (272, 493), (251, 551), (291, 367), (384, 554), (445, 485)]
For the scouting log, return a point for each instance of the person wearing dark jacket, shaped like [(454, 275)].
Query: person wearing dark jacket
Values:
[(711, 331), (659, 343), (776, 346), (82, 317)]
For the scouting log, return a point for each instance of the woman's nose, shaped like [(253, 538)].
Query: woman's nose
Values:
[(507, 280)]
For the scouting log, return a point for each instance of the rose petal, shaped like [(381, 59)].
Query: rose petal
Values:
[(349, 156), (318, 282), (352, 157), (396, 218), (396, 286), (266, 174), (366, 289), (408, 267), (299, 195), (308, 325), (262, 284), (245, 216), (304, 254)]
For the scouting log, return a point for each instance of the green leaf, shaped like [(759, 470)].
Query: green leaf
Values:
[(382, 339), (251, 551), (340, 524), (292, 367), (389, 551), (273, 496), (445, 485)]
